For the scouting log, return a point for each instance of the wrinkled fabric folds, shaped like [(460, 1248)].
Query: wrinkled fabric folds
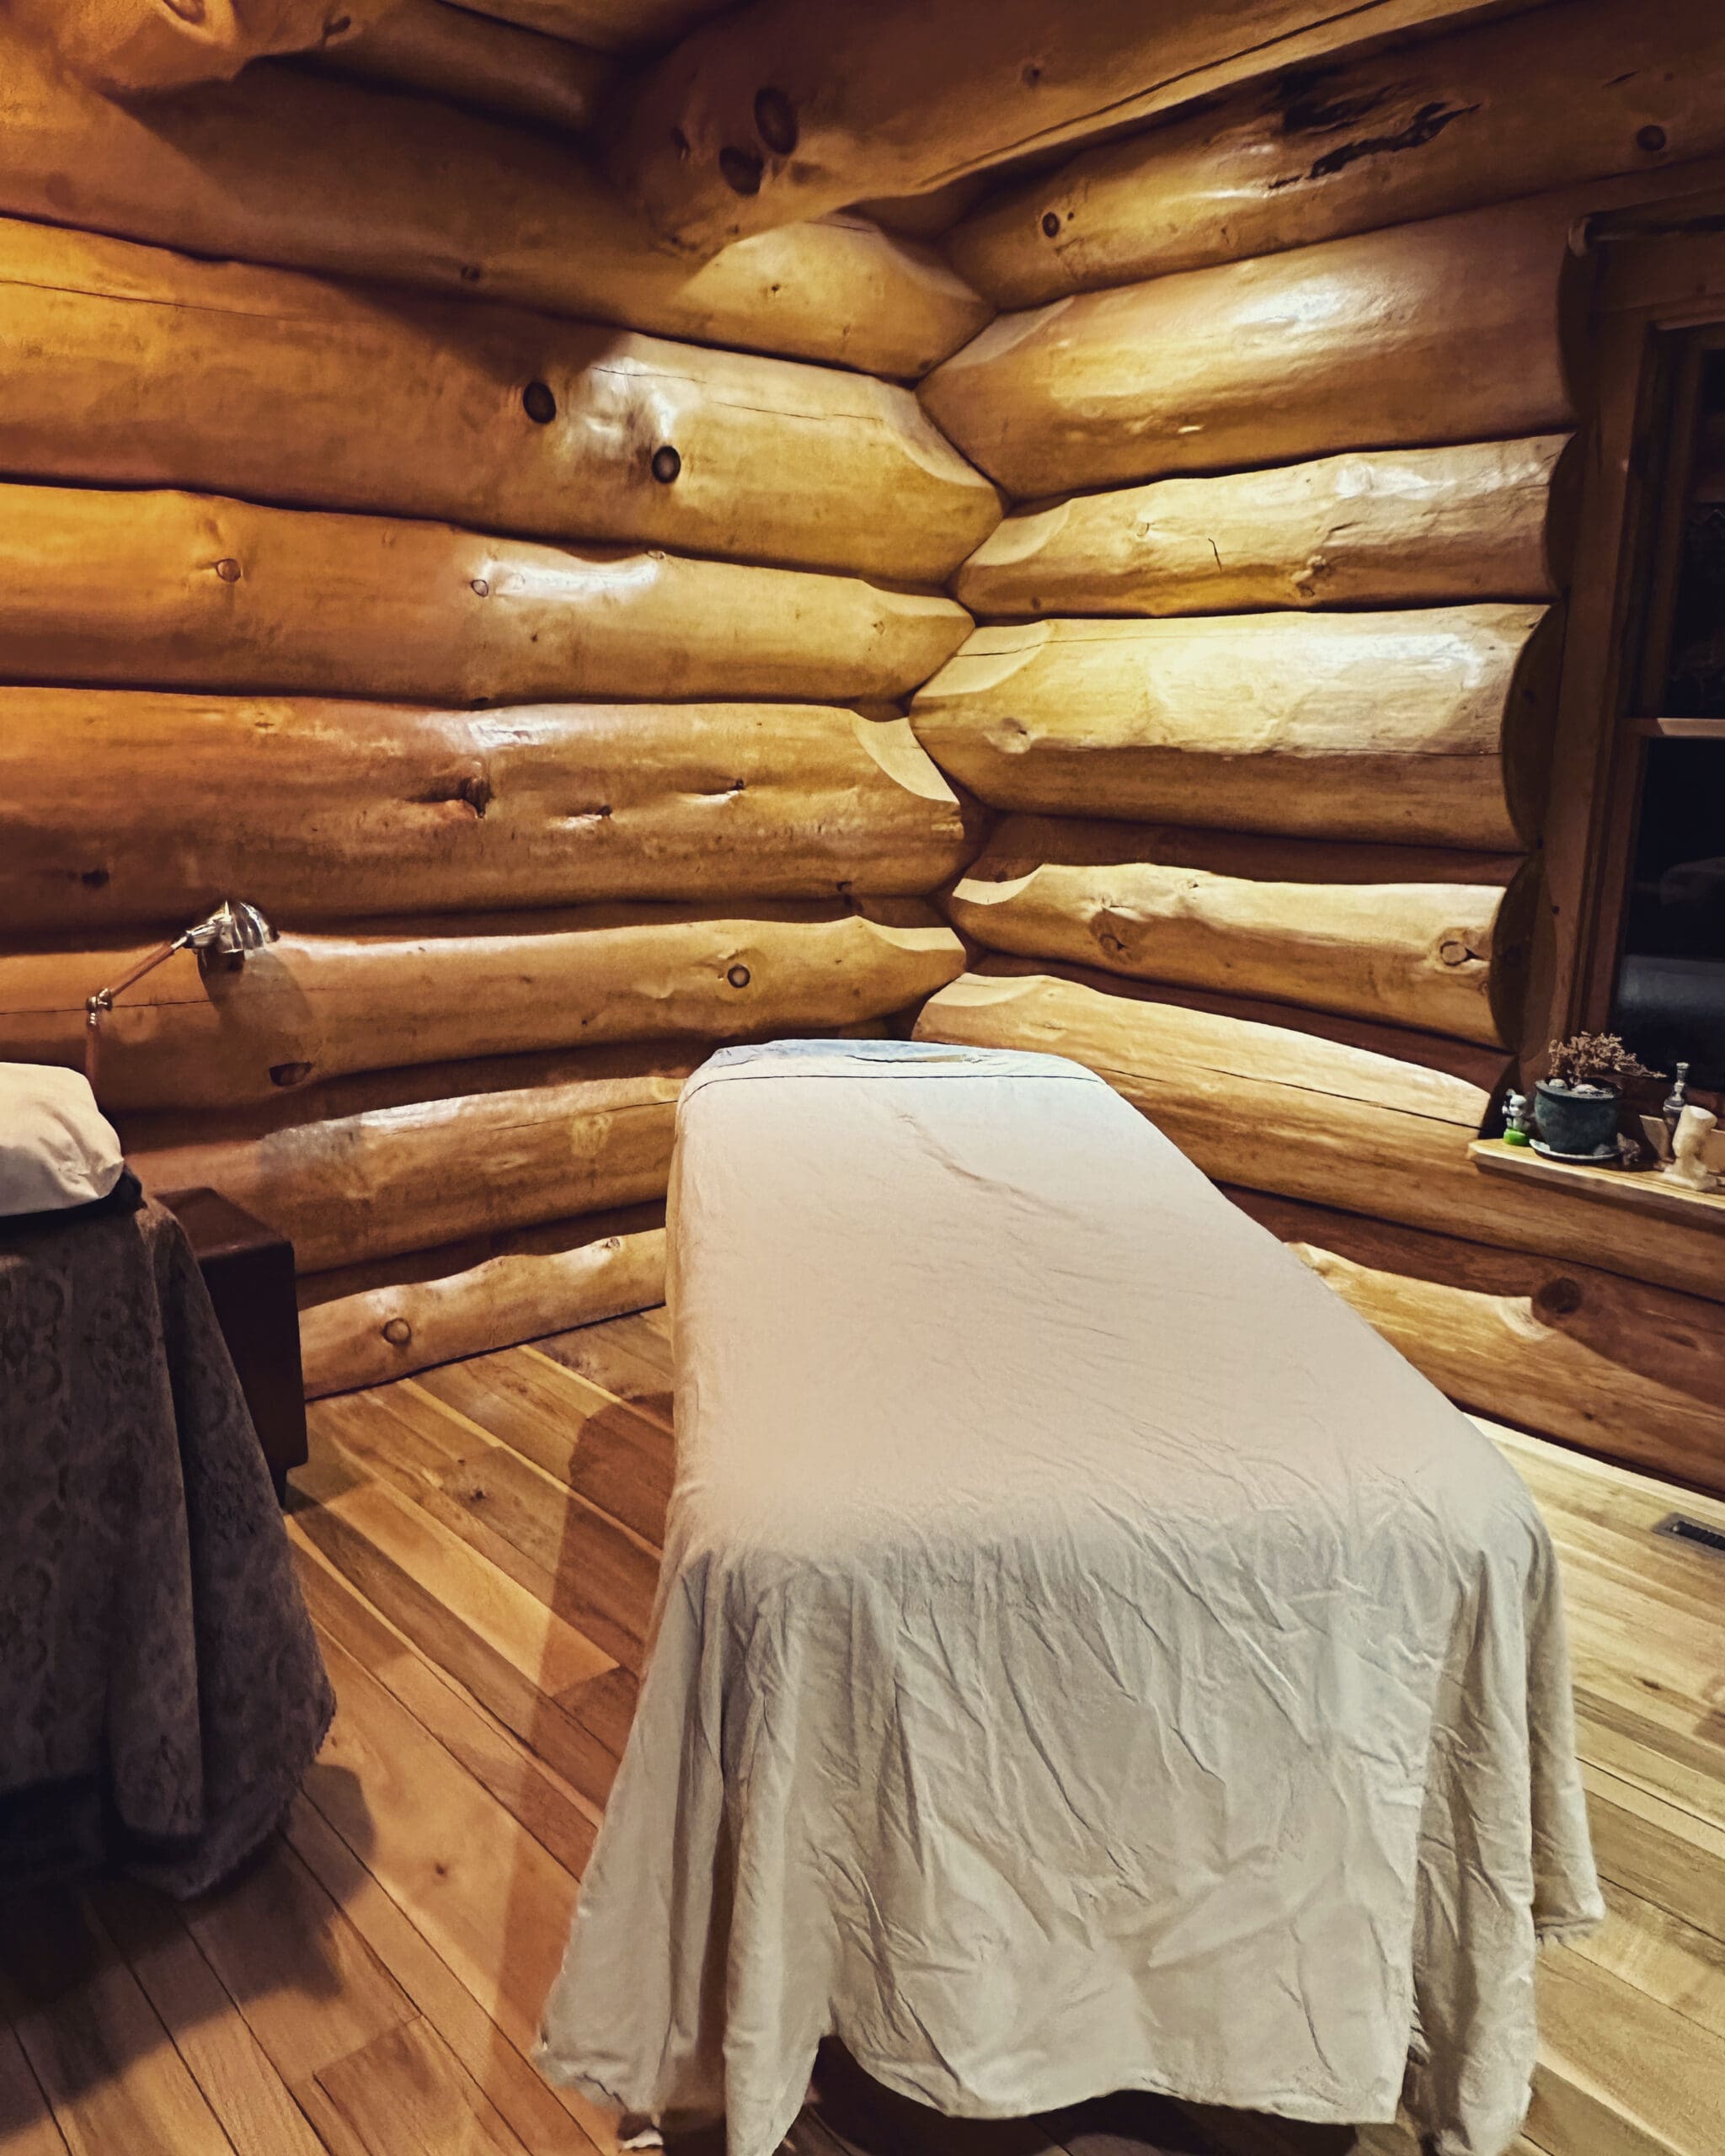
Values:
[(1087, 1656), (162, 1692)]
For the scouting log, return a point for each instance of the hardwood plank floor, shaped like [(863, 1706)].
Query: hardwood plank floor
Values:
[(478, 1546)]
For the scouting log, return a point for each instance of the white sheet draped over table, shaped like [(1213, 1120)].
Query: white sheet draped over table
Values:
[(1087, 1656)]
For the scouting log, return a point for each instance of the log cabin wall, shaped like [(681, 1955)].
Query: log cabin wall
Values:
[(394, 534), (1290, 396), (393, 537)]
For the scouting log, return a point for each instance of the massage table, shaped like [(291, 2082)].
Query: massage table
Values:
[(1086, 1656)]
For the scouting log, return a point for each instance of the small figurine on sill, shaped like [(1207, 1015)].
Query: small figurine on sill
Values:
[(1517, 1119), (1688, 1164)]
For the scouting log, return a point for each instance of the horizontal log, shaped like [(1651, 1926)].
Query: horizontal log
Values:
[(283, 167), (1278, 1109), (199, 591), (468, 1299), (133, 45), (1487, 1070), (608, 25), (447, 51), (1634, 1371), (363, 1169), (897, 98), (1426, 727), (1449, 331), (1018, 845), (120, 807), (1389, 933), (1493, 110), (1408, 527), (129, 365), (311, 1007)]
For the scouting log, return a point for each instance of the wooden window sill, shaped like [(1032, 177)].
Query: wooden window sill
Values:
[(1644, 1190), (1681, 729)]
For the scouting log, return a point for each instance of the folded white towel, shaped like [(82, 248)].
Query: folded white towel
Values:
[(57, 1147)]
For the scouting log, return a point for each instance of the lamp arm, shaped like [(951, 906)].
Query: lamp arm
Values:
[(103, 1000), (235, 928)]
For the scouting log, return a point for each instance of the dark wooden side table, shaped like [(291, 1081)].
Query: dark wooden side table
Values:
[(248, 1267)]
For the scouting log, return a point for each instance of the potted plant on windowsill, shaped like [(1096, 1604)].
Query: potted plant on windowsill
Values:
[(1578, 1102)]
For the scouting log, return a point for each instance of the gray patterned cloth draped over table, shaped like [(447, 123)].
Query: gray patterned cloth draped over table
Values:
[(161, 1689)]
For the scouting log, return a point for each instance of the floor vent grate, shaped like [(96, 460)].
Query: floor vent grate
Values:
[(1691, 1530)]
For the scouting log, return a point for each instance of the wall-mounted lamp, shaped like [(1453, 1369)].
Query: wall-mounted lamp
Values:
[(222, 940)]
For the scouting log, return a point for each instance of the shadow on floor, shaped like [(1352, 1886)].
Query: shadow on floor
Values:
[(849, 2114)]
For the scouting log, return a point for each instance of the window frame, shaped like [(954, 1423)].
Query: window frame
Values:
[(1659, 307)]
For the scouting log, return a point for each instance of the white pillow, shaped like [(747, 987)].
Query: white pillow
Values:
[(57, 1147)]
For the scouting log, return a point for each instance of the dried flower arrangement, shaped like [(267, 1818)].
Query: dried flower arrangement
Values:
[(1594, 1060), (1577, 1104)]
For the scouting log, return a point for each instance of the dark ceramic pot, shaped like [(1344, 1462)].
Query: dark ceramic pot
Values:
[(1576, 1119)]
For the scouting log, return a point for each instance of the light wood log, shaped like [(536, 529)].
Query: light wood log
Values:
[(1634, 1371), (147, 46), (310, 1007), (199, 591), (446, 51), (129, 365), (897, 98), (1426, 938), (361, 1170), (466, 1300), (1277, 1109), (1495, 110), (1408, 527), (1449, 331), (630, 26), (1429, 727), (1487, 1069), (284, 167), (120, 807)]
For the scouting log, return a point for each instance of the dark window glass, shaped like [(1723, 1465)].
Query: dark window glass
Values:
[(1670, 996)]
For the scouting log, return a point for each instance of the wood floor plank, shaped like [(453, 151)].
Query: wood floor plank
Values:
[(510, 1619), (547, 2122), (554, 1811), (599, 1578), (473, 1487), (309, 1987), (605, 1707), (1666, 1669), (593, 1351), (656, 1320), (1676, 1963), (594, 1574), (1658, 1739), (592, 1442), (1581, 1478), (27, 2126), (1658, 1851), (1619, 2075), (1628, 1744), (494, 1678), (95, 2044), (493, 1902), (247, 2094), (407, 2094)]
